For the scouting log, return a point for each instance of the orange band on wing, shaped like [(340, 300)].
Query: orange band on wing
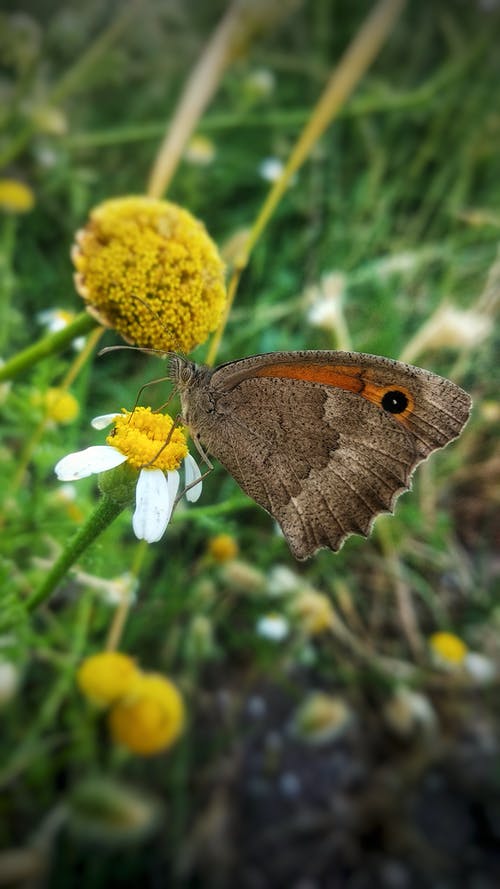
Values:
[(340, 376), (352, 378)]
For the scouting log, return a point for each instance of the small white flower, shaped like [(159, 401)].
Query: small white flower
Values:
[(480, 667), (273, 626), (55, 320), (271, 169), (156, 488), (282, 581), (324, 301)]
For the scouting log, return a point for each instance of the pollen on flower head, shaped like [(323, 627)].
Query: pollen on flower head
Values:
[(151, 718), (141, 436), (149, 269)]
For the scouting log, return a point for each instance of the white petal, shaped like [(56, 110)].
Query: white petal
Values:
[(173, 480), (192, 472), (152, 505), (103, 420), (98, 458)]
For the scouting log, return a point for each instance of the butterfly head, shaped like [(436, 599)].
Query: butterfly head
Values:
[(181, 371), (192, 383)]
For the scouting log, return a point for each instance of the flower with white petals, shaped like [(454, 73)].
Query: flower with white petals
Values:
[(324, 301), (150, 443), (55, 320), (271, 169), (273, 626)]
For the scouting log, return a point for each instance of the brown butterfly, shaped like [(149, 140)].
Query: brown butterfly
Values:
[(324, 441)]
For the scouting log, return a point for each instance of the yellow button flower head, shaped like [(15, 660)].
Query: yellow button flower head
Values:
[(107, 676), (151, 718), (150, 270), (448, 649), (61, 406), (15, 196), (222, 548)]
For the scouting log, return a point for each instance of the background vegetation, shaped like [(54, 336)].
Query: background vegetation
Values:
[(395, 782)]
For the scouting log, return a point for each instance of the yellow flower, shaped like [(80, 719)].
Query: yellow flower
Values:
[(60, 406), (150, 270), (151, 718), (448, 648), (223, 548), (105, 677), (313, 611), (15, 196)]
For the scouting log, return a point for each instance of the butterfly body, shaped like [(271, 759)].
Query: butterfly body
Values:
[(324, 441)]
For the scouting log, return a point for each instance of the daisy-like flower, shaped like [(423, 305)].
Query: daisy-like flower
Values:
[(138, 439), (55, 320), (324, 301), (273, 626), (149, 269), (271, 169)]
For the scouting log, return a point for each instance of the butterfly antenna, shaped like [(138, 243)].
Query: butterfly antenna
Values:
[(147, 351)]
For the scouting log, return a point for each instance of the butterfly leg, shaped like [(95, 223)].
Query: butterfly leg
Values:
[(145, 386), (176, 422), (206, 459), (203, 454)]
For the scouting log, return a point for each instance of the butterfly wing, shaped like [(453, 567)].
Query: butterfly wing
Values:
[(327, 453)]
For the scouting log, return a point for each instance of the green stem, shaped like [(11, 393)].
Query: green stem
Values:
[(49, 345), (106, 511)]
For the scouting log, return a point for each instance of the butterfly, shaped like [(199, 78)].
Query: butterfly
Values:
[(324, 441)]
